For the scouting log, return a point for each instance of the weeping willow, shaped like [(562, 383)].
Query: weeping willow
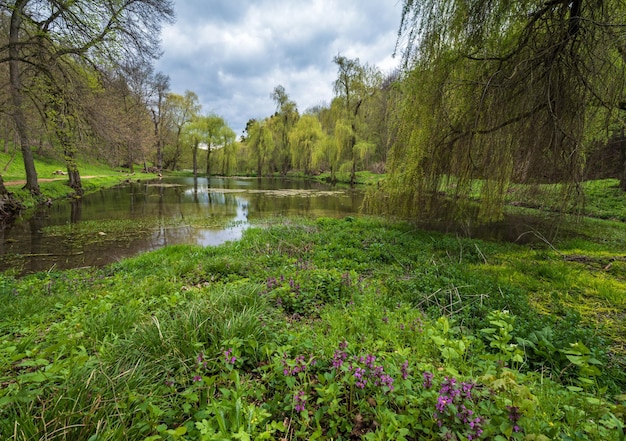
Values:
[(500, 91)]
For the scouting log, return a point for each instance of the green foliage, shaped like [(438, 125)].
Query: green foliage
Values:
[(311, 329), (482, 106)]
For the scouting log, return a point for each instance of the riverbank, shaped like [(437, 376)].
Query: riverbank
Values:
[(352, 328)]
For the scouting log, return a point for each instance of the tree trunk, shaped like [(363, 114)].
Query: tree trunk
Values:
[(177, 150), (16, 99), (622, 145), (131, 160), (159, 142), (160, 155), (352, 144), (9, 206), (73, 173), (3, 190), (195, 160), (208, 161)]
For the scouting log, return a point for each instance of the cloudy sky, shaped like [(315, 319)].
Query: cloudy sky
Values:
[(233, 53)]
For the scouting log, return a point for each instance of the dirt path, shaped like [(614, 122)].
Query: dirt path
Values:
[(22, 182)]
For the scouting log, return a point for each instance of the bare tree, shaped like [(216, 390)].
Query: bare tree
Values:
[(161, 86), (88, 31)]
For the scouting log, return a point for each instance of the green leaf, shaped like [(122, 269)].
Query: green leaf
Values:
[(33, 377), (438, 340), (179, 431), (242, 435)]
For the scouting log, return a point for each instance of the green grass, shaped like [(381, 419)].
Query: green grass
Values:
[(340, 329), (94, 176), (143, 349)]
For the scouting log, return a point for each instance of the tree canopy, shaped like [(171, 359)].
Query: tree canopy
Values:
[(48, 38), (499, 91)]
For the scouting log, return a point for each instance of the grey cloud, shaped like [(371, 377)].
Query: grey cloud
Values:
[(232, 53)]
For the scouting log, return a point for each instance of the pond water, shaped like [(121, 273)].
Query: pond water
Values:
[(129, 219)]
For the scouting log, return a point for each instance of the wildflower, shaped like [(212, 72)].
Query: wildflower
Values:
[(385, 319), (338, 358), (300, 401), (442, 402), (514, 416), (466, 389), (228, 357), (387, 380), (345, 279), (417, 325), (297, 366), (197, 378), (361, 378), (200, 361), (428, 380), (271, 282), (405, 369)]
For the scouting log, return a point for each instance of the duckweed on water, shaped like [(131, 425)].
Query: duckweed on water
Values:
[(91, 232), (329, 329)]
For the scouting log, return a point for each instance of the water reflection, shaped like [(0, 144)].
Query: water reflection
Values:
[(142, 216)]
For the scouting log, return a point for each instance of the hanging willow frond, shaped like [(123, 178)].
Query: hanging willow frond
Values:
[(500, 91)]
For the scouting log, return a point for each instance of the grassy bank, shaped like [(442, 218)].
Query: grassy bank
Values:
[(329, 329), (53, 186)]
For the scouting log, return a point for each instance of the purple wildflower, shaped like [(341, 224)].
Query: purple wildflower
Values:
[(338, 358), (428, 380), (405, 369), (514, 416), (229, 357), (387, 380), (300, 401)]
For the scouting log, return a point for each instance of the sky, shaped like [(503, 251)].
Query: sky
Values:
[(233, 53)]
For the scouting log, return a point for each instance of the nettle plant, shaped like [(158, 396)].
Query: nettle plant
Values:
[(382, 396), (319, 389)]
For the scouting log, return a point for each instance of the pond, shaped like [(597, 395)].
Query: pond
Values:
[(129, 219)]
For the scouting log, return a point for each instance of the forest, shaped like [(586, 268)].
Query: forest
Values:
[(469, 114)]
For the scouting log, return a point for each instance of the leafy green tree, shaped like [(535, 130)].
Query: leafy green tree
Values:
[(323, 154), (501, 91), (303, 140), (207, 131), (192, 135), (354, 85), (46, 33), (227, 154), (160, 88), (260, 145), (379, 126), (181, 110), (215, 136), (282, 123)]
